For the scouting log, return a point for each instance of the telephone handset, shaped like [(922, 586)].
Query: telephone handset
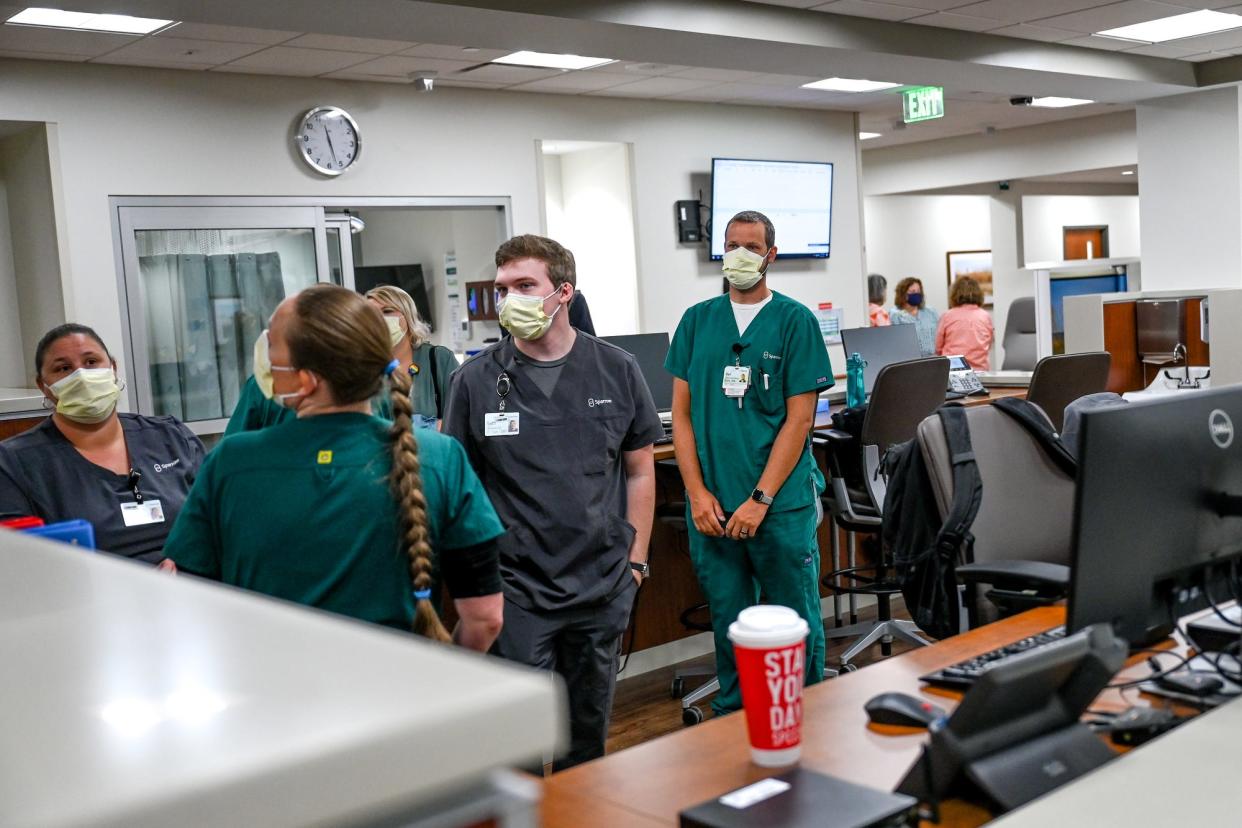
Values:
[(962, 379)]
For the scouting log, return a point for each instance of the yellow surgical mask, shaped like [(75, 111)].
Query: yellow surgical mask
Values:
[(87, 396), (395, 332), (263, 369), (524, 316), (743, 268)]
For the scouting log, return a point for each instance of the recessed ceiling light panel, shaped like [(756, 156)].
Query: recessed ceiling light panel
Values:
[(1054, 102), (867, 136), (849, 85), (1177, 27), (85, 22), (546, 60)]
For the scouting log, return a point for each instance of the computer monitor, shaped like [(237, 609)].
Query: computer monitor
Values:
[(407, 277), (650, 350), (881, 346), (1157, 512)]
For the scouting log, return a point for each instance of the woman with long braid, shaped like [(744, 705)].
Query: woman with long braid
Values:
[(338, 509)]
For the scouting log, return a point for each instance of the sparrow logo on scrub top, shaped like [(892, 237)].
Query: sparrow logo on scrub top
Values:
[(592, 402), (159, 467), (767, 355)]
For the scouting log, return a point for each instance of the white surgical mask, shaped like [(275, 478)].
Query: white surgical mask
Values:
[(87, 396), (524, 316), (263, 369), (395, 332), (743, 268)]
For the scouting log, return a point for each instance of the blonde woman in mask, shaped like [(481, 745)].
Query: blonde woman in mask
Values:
[(127, 474), (429, 366)]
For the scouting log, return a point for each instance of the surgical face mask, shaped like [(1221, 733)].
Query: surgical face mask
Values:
[(743, 268), (914, 300), (87, 396), (395, 332), (263, 369), (524, 317)]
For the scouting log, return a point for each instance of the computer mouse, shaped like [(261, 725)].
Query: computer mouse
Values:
[(902, 709)]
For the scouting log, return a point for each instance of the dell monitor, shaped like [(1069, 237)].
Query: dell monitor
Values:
[(881, 346), (407, 277), (1157, 512), (795, 195), (650, 350)]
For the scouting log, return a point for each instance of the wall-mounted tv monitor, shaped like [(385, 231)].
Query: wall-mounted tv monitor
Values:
[(795, 195)]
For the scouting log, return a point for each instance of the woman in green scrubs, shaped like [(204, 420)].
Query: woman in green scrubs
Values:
[(430, 366), (335, 508)]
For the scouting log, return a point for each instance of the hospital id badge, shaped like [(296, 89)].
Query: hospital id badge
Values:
[(503, 424), (142, 514), (736, 380)]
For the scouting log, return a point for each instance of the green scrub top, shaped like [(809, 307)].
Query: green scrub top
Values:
[(303, 511), (785, 351), (255, 411), (436, 365)]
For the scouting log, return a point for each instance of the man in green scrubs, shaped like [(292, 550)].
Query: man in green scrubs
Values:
[(748, 369)]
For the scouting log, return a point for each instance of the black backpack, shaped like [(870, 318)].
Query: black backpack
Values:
[(924, 549)]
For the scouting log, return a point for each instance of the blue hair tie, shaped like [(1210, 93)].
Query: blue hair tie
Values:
[(392, 366), (422, 595)]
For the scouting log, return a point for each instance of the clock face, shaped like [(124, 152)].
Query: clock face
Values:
[(328, 139)]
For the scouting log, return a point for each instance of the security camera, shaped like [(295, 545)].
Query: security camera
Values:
[(424, 81), (1021, 100)]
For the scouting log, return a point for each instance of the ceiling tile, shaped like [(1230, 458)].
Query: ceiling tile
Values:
[(632, 68), (395, 66), (507, 75), (285, 60), (1108, 44), (60, 41), (228, 34), (947, 20), (718, 75), (474, 55), (930, 5), (573, 82), (798, 4), (165, 51), (1205, 4), (878, 11), (1221, 41), (350, 44), (461, 84), (1020, 11), (1113, 15), (155, 63), (781, 80), (42, 56), (1041, 33), (1205, 56), (656, 87), (353, 76), (1164, 50)]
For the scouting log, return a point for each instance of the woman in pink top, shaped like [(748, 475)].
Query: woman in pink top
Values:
[(966, 328)]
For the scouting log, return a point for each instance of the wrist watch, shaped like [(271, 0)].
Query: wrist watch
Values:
[(759, 497), (641, 567)]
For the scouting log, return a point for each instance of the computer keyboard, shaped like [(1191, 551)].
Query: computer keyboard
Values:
[(964, 673)]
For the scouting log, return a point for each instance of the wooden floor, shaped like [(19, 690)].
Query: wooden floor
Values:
[(644, 710)]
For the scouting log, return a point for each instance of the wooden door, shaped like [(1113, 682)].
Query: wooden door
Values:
[(1085, 243)]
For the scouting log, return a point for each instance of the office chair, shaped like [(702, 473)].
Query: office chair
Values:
[(903, 395), (1020, 342), (1061, 379), (1022, 531)]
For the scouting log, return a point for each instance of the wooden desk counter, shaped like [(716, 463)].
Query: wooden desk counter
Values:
[(659, 779)]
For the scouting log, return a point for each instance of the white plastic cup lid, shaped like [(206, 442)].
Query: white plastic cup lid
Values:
[(766, 625)]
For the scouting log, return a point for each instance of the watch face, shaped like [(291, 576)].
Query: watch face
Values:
[(328, 140)]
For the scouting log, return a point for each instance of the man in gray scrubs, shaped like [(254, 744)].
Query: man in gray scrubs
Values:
[(560, 426)]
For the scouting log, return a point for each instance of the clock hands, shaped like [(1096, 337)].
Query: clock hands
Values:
[(331, 148)]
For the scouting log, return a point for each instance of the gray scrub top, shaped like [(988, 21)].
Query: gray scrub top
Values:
[(43, 475), (558, 483)]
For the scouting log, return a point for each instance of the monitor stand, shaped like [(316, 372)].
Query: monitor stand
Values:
[(1013, 777)]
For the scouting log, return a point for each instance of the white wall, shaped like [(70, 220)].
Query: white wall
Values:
[(13, 370), (1044, 218), (910, 236), (593, 216), (1190, 180), (218, 134)]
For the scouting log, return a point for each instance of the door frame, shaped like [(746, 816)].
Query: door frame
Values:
[(1101, 254)]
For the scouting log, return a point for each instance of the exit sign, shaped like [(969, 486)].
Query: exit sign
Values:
[(922, 104)]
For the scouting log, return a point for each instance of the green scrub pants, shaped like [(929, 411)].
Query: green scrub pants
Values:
[(782, 563)]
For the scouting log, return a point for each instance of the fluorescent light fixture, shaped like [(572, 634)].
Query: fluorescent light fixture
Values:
[(849, 85), (1057, 103), (867, 136), (86, 22), (1127, 172), (547, 60), (1191, 24)]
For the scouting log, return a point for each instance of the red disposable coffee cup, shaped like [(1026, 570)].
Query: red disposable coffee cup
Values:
[(769, 643)]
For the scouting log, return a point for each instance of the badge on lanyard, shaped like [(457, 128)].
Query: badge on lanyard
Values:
[(736, 380), (502, 424), (142, 514)]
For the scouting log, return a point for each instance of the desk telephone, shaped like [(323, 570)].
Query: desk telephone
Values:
[(962, 380)]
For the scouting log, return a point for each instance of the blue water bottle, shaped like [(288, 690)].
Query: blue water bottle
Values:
[(855, 386)]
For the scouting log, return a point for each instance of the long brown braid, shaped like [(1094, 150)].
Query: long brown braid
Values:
[(343, 338)]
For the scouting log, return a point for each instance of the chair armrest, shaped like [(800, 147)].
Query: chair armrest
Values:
[(1035, 573)]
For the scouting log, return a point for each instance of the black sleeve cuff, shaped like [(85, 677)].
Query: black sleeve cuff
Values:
[(472, 571)]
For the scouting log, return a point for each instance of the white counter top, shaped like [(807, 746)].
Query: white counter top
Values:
[(133, 698), (19, 400)]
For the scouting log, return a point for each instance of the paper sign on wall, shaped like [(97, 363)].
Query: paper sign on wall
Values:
[(830, 321)]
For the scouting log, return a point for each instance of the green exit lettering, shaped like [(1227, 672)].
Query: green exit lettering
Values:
[(922, 104)]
